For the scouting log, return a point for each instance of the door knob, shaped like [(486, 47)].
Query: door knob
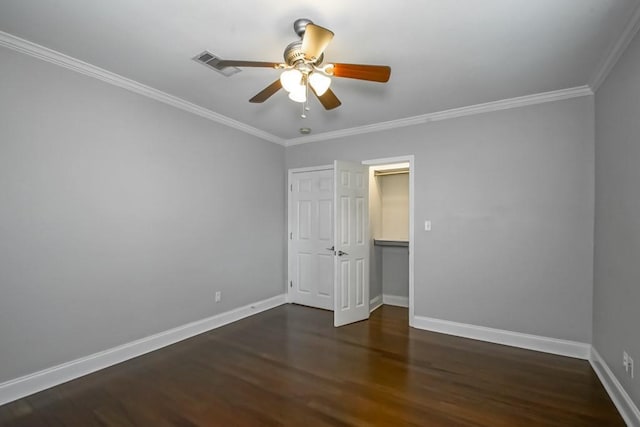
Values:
[(340, 253), (332, 248)]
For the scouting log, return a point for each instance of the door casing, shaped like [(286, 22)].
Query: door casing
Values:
[(410, 158)]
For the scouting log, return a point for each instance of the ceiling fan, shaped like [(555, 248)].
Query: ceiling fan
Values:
[(304, 70)]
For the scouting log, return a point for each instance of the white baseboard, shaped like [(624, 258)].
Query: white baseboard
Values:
[(375, 303), (38, 381), (575, 349), (628, 410), (395, 300)]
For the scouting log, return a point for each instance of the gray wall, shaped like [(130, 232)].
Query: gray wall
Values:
[(120, 216), (616, 315), (395, 270), (510, 195)]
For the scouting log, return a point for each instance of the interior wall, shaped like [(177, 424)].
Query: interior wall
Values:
[(616, 314), (510, 195), (395, 206), (121, 216), (395, 271)]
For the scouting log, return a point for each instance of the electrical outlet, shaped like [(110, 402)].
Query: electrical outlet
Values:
[(218, 296), (627, 362)]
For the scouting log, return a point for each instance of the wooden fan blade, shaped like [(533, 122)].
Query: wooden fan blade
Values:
[(234, 63), (329, 100), (267, 92), (315, 41), (373, 73)]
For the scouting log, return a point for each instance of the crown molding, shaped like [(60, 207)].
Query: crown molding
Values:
[(37, 51), (471, 110), (616, 50)]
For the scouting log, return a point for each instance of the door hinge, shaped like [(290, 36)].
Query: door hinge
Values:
[(291, 236), (291, 283), (290, 187)]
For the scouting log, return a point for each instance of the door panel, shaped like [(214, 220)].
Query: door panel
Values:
[(359, 282), (304, 219), (325, 275), (351, 285), (325, 221), (311, 237), (345, 213), (344, 283), (305, 275), (360, 221)]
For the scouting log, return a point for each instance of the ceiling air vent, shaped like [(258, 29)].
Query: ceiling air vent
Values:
[(210, 60)]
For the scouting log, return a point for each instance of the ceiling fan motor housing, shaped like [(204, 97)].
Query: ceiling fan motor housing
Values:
[(293, 54)]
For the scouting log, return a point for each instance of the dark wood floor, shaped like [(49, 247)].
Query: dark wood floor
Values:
[(290, 366)]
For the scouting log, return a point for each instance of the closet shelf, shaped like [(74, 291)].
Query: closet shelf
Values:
[(397, 243)]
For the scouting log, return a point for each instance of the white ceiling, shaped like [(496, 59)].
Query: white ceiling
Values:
[(443, 53)]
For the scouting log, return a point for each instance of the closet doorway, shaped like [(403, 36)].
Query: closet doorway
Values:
[(391, 208)]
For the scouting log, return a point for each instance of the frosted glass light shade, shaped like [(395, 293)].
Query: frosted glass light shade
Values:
[(319, 82), (299, 94), (291, 80)]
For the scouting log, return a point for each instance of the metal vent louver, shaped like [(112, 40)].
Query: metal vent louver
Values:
[(210, 60)]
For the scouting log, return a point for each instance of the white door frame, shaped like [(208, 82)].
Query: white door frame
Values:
[(403, 159), (289, 217)]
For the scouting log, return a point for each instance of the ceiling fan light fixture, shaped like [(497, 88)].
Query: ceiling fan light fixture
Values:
[(319, 82), (304, 68), (299, 94), (291, 80)]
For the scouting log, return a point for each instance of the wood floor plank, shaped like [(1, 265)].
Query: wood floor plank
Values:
[(290, 367)]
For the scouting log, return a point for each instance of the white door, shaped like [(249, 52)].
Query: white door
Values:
[(311, 254), (351, 266)]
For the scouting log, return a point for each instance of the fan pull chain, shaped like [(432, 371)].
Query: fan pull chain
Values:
[(306, 99)]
